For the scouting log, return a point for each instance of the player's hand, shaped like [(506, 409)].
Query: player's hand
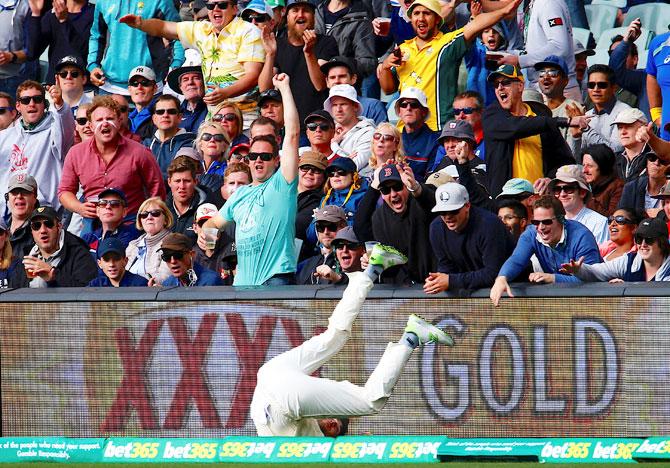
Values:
[(134, 21), (500, 287), (97, 76), (436, 283)]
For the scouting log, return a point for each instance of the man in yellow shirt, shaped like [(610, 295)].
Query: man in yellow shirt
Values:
[(231, 49), (430, 60)]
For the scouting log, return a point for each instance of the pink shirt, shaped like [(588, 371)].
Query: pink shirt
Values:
[(133, 169)]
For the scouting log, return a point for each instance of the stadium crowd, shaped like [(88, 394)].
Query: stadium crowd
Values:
[(198, 143)]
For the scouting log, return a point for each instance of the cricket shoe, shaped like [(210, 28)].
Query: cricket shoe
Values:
[(426, 332), (386, 257)]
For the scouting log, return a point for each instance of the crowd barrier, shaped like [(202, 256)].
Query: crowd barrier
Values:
[(555, 361)]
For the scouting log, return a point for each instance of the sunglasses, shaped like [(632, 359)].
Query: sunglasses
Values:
[(239, 157), (310, 169), (168, 255), (111, 203), (546, 222), (25, 100), (256, 19), (385, 138), (324, 127), (135, 83), (170, 111), (450, 212), (598, 85), (551, 73), (347, 245), (264, 156), (321, 226), (619, 219), (410, 104), (217, 137), (647, 240), (336, 173), (81, 121), (652, 158), (465, 110), (230, 117), (72, 73), (152, 213), (504, 83), (395, 186), (568, 189), (5, 109), (37, 225), (221, 5)]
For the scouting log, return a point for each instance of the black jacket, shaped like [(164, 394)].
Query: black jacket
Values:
[(502, 129), (307, 201), (22, 240), (631, 170), (184, 223), (76, 269), (633, 194), (307, 268)]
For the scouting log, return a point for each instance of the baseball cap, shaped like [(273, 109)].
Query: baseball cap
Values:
[(144, 72), (111, 244), (570, 173), (320, 115), (652, 227), (432, 5), (115, 191), (516, 186), (45, 212), (345, 91), (188, 152), (629, 116), (177, 242), (339, 61), (509, 71), (276, 3), (297, 3), (70, 61), (346, 234), (269, 95), (553, 61), (532, 95), (313, 158), (205, 211), (238, 147), (192, 64), (449, 197), (580, 49), (412, 93), (389, 173), (460, 129), (346, 164), (330, 213), (22, 181), (439, 178)]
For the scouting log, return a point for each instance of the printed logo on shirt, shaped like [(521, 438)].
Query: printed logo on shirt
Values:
[(555, 22), (18, 161)]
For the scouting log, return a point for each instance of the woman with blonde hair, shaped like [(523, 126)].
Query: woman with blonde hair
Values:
[(8, 262), (386, 144), (212, 143), (229, 116), (155, 220)]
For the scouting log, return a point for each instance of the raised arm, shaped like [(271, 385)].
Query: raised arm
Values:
[(152, 26), (486, 20), (289, 156)]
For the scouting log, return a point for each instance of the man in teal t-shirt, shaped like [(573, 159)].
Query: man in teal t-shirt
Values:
[(264, 211)]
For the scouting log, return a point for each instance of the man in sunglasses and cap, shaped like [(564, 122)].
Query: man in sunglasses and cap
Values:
[(349, 251), (554, 241), (71, 76), (330, 219), (112, 260), (58, 258), (177, 252)]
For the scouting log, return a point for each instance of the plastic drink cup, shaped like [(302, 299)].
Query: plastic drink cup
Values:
[(384, 26), (211, 235), (369, 245)]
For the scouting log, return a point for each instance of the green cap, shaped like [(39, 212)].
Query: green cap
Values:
[(510, 71)]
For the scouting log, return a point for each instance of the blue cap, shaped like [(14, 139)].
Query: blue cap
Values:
[(111, 244), (344, 163), (553, 61), (389, 172), (115, 191)]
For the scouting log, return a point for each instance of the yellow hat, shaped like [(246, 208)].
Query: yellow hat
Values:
[(432, 5)]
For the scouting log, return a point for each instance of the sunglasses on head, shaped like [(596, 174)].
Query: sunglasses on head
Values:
[(168, 255), (37, 225), (310, 169), (264, 156), (619, 219), (216, 137), (647, 240), (598, 85), (321, 226), (152, 213), (221, 5), (395, 186), (336, 173), (5, 109), (81, 121), (230, 117), (465, 110), (546, 222), (312, 126), (25, 100), (144, 82), (410, 104), (551, 72), (170, 111), (569, 189), (72, 73), (111, 203), (381, 136)]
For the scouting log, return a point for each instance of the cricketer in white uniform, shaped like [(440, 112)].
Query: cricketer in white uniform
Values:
[(288, 401)]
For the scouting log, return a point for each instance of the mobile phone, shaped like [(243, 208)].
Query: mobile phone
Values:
[(397, 52)]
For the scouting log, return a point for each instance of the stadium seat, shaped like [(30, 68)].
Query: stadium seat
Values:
[(601, 17), (601, 57), (654, 16), (642, 43), (582, 35), (614, 3), (642, 59)]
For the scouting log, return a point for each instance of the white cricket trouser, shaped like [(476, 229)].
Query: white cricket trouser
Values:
[(287, 398)]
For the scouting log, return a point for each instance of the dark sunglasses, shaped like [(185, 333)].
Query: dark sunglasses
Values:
[(598, 84), (569, 189), (81, 120), (208, 136), (221, 5), (135, 83), (395, 186), (505, 83), (264, 156), (230, 117), (546, 222), (410, 104), (111, 203), (310, 169), (171, 111), (385, 138), (651, 157), (72, 73), (256, 19), (647, 240), (451, 212), (168, 255), (5, 109), (336, 173), (25, 100), (619, 219), (321, 226), (37, 225), (348, 245), (324, 127), (152, 213), (465, 110)]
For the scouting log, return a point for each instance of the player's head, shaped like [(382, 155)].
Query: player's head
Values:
[(334, 427)]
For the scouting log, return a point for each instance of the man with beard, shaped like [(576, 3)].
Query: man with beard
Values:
[(514, 215)]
